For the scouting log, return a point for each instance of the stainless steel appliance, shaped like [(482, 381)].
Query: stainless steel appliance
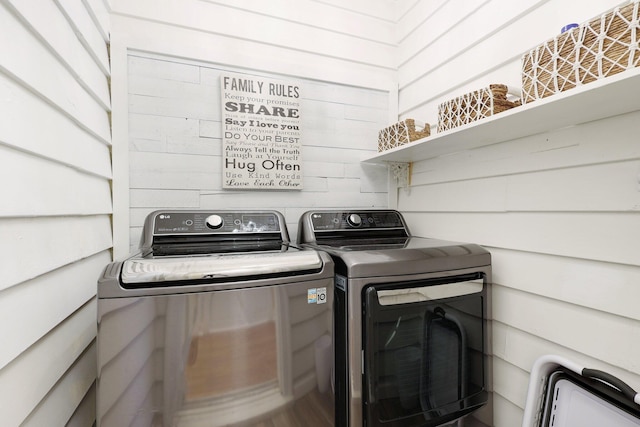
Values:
[(218, 321), (411, 321)]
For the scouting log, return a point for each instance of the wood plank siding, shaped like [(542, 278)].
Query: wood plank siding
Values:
[(559, 211), (110, 109), (168, 103), (55, 228)]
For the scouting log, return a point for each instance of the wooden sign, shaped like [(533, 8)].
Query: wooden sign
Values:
[(261, 133)]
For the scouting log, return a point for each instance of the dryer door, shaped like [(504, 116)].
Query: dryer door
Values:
[(424, 355)]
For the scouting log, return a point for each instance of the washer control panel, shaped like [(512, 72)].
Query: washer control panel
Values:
[(326, 221), (207, 222)]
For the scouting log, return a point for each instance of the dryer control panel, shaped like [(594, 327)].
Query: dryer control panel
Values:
[(325, 221)]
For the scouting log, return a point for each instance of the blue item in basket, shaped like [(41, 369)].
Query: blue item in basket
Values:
[(568, 27)]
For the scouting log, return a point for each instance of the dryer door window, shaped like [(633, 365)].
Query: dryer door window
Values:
[(424, 352)]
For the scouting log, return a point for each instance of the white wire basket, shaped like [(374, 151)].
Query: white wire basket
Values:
[(477, 105), (401, 133), (602, 47)]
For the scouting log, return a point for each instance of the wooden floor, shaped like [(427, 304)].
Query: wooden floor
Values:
[(227, 362)]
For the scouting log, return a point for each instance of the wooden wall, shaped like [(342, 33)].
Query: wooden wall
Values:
[(167, 133), (559, 211), (175, 145), (451, 47), (55, 228)]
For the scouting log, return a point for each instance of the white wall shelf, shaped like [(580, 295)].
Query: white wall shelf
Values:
[(600, 99)]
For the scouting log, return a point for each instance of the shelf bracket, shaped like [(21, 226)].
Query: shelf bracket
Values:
[(401, 172)]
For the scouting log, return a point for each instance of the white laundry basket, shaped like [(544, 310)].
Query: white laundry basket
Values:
[(564, 394)]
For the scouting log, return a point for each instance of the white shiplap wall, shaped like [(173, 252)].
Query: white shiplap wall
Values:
[(55, 228), (451, 47), (560, 211), (175, 145), (166, 60)]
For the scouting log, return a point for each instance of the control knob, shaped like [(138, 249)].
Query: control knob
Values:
[(214, 221), (354, 220)]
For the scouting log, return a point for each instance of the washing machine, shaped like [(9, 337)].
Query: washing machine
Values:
[(412, 336), (217, 321)]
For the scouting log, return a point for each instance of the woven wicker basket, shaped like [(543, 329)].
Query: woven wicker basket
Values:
[(604, 46), (475, 106), (401, 133)]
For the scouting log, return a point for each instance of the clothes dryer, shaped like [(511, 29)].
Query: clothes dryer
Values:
[(412, 336)]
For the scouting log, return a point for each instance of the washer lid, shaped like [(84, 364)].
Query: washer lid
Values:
[(138, 270)]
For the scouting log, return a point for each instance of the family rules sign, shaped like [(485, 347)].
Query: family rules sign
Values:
[(261, 133)]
